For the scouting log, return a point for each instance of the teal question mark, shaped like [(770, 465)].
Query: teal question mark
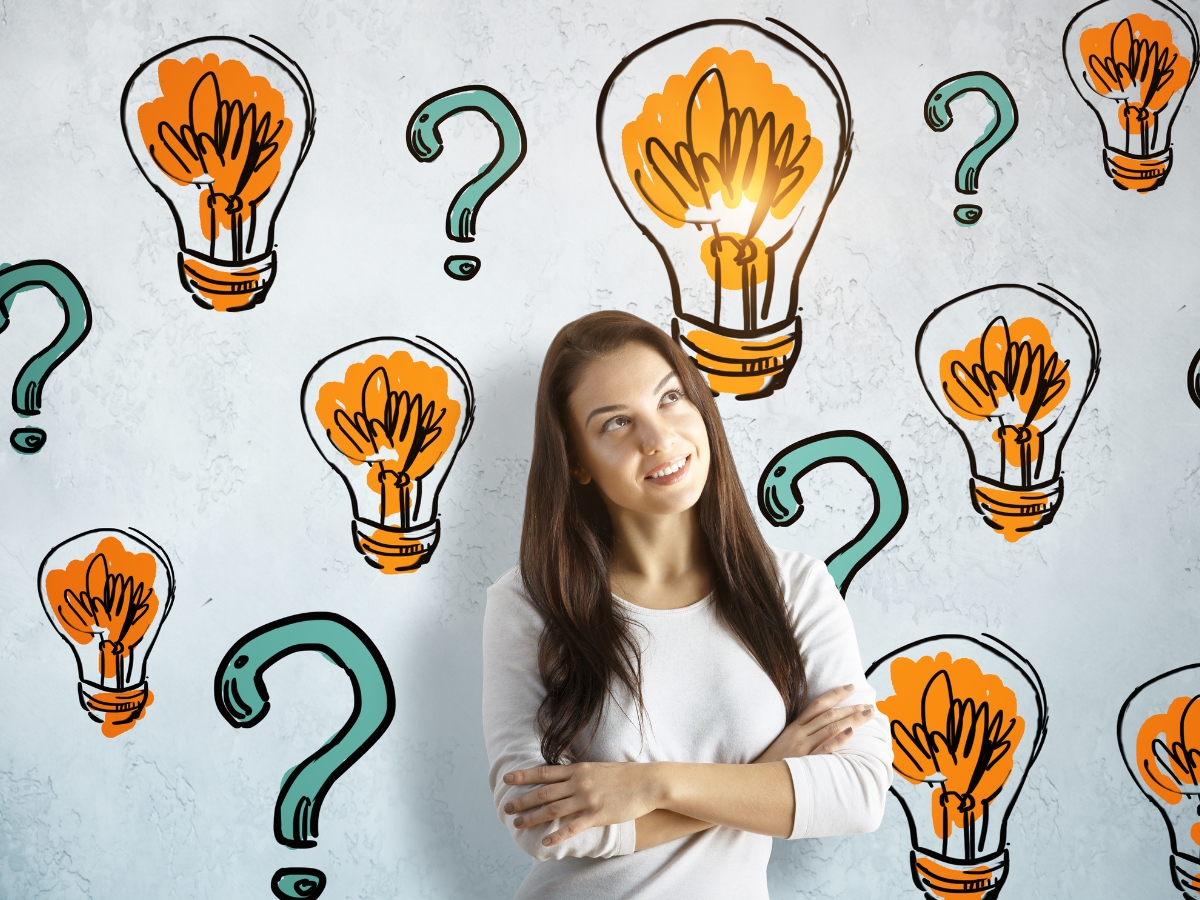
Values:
[(781, 503), (425, 143), (1004, 123), (27, 391), (243, 701)]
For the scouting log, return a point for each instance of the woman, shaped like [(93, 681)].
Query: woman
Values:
[(648, 668)]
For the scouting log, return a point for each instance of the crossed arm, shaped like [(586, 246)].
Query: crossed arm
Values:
[(672, 800)]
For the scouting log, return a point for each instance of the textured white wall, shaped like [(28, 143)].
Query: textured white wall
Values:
[(186, 424)]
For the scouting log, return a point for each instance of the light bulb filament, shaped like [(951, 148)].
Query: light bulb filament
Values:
[(231, 147), (949, 719), (1135, 63), (114, 606), (1168, 747)]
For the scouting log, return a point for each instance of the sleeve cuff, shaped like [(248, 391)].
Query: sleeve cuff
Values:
[(626, 838), (803, 791)]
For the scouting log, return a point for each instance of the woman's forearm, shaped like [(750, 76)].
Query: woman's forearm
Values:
[(758, 798), (664, 825)]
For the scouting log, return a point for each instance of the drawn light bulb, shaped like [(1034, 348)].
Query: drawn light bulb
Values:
[(107, 593), (725, 142), (389, 415), (1010, 367), (1159, 734), (1132, 61), (219, 126), (968, 718)]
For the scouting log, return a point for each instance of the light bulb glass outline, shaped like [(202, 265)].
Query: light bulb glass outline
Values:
[(1013, 505), (235, 280), (1154, 698), (387, 546), (1141, 168), (119, 701), (736, 359), (942, 874)]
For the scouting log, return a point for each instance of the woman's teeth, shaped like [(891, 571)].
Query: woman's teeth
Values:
[(670, 470)]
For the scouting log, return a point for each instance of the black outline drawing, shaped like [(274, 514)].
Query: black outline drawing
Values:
[(249, 272), (983, 875), (119, 594), (788, 330), (347, 646), (781, 503), (424, 139), (77, 323), (427, 531), (1036, 498), (1140, 169), (1185, 867)]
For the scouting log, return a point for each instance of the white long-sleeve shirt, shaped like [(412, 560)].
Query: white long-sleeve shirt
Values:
[(707, 701)]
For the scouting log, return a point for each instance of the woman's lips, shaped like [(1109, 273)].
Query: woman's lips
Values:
[(676, 476)]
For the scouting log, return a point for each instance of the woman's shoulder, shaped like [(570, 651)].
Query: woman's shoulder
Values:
[(508, 601), (807, 585)]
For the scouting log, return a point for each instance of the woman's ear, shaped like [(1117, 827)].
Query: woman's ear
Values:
[(579, 473)]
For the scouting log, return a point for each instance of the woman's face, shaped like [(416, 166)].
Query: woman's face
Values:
[(635, 433)]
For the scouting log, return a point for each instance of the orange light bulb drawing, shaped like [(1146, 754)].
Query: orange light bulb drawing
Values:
[(389, 415), (733, 140), (219, 127), (1010, 367), (107, 593), (1158, 730), (968, 718), (1132, 61)]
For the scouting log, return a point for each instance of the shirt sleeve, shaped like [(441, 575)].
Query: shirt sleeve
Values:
[(841, 792), (512, 693)]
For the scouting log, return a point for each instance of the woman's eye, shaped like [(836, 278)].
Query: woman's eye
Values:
[(672, 396), (614, 423)]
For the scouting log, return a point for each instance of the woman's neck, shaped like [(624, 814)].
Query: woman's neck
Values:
[(659, 562)]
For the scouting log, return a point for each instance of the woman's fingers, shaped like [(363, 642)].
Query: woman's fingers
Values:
[(538, 775), (572, 828), (825, 702), (830, 720), (558, 809), (837, 742), (835, 736), (547, 793)]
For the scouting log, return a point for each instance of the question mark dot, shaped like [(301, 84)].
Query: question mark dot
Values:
[(240, 662), (967, 213), (27, 440), (298, 884), (462, 268)]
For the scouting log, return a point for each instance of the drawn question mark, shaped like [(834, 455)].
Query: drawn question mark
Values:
[(27, 391), (243, 701), (425, 143), (1004, 123), (781, 503)]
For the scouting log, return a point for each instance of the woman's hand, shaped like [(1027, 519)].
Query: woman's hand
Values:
[(583, 795), (822, 727)]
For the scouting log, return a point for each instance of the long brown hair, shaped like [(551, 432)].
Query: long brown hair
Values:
[(587, 645)]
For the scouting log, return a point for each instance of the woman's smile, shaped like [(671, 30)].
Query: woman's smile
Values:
[(671, 472)]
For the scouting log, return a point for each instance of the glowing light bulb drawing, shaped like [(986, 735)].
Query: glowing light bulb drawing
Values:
[(1010, 367), (1132, 61), (219, 126), (389, 415), (968, 718), (107, 593), (733, 138), (1158, 730)]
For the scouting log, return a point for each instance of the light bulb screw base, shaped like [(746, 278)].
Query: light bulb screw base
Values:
[(226, 286), (395, 550), (748, 365), (1137, 173), (952, 879), (116, 711), (1185, 875), (1015, 512)]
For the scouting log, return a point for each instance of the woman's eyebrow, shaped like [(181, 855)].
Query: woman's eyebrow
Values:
[(599, 410)]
